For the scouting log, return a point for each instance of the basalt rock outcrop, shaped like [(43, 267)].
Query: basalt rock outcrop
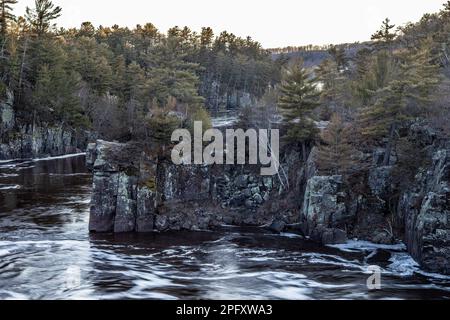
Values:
[(425, 209), (324, 211), (41, 141), (135, 191), (19, 140)]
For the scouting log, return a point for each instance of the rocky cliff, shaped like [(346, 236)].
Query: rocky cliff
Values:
[(425, 210), (135, 191), (34, 141)]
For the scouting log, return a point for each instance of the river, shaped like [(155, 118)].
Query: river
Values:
[(46, 252)]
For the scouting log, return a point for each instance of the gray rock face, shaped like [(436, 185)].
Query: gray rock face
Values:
[(135, 192), (277, 226), (380, 181), (323, 210), (104, 202), (426, 213), (120, 201), (26, 141), (6, 113)]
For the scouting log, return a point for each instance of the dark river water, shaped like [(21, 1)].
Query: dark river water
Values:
[(46, 252)]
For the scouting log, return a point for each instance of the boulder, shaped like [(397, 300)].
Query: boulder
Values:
[(323, 209), (333, 236), (277, 226)]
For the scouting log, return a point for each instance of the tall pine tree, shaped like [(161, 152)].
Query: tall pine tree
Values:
[(6, 16), (42, 15), (298, 98), (385, 35)]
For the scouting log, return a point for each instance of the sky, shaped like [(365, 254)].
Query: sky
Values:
[(274, 23)]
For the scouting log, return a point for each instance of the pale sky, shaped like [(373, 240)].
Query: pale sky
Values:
[(274, 23)]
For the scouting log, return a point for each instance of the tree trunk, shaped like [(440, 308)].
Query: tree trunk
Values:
[(304, 152), (22, 65), (387, 155)]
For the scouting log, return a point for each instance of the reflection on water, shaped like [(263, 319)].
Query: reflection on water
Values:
[(47, 253)]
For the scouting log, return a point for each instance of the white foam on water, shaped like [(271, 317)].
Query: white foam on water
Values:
[(10, 295), (9, 187), (7, 161), (290, 293), (4, 252), (8, 175)]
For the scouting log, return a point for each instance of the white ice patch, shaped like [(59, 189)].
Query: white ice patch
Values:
[(225, 121), (290, 235), (404, 265), (358, 246), (61, 157)]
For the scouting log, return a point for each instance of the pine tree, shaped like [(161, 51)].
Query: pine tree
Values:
[(298, 98), (6, 16), (170, 75), (335, 153), (385, 35), (42, 15), (333, 84), (404, 98), (445, 13)]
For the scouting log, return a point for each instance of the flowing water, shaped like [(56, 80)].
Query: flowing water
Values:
[(46, 252)]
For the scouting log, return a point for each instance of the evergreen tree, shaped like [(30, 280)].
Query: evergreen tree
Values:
[(385, 35), (298, 98), (6, 16), (404, 97), (336, 151), (42, 15), (445, 13), (333, 90), (169, 75)]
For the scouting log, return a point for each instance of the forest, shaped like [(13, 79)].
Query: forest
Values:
[(127, 84), (111, 79)]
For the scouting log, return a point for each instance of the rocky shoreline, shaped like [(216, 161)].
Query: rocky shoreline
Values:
[(19, 141)]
